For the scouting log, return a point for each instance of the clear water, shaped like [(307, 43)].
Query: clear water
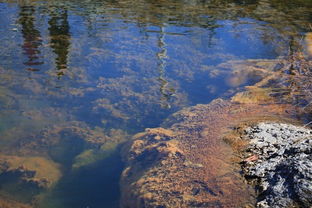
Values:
[(78, 78)]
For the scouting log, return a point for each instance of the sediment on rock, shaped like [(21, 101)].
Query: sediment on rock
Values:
[(279, 161), (187, 163)]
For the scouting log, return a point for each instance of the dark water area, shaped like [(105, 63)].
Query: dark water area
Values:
[(78, 78)]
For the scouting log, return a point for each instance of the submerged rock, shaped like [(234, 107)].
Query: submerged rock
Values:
[(7, 203), (187, 163), (253, 95), (36, 170), (282, 166)]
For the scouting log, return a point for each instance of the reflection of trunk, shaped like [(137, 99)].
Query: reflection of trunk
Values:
[(165, 91), (32, 38), (291, 55), (60, 39)]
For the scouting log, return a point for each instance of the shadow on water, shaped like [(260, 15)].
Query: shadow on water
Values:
[(92, 186)]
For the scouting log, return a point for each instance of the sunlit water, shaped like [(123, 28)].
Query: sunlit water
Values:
[(77, 78)]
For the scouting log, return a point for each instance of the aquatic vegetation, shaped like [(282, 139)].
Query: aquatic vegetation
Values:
[(254, 95), (37, 170), (140, 101), (87, 157), (79, 77), (58, 139), (188, 163), (91, 156), (18, 127), (7, 203)]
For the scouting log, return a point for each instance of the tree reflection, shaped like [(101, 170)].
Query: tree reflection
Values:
[(60, 39), (165, 91), (32, 38)]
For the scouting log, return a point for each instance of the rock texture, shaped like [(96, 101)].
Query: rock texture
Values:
[(187, 163), (280, 159)]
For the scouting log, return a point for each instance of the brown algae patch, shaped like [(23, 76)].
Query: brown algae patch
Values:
[(71, 132), (37, 170), (254, 95), (188, 164), (44, 158), (7, 203)]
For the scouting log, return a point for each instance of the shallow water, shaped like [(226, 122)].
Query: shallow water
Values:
[(79, 77)]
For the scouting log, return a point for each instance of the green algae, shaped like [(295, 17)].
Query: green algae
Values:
[(86, 157), (91, 156)]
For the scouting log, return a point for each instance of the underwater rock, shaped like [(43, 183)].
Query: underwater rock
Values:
[(187, 163), (66, 134), (6, 203), (283, 167), (89, 156), (138, 93), (247, 71), (37, 170), (253, 95)]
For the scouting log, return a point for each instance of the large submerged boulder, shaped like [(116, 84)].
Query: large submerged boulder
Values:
[(190, 161), (187, 163), (280, 159)]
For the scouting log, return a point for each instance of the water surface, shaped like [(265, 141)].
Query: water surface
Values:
[(77, 78)]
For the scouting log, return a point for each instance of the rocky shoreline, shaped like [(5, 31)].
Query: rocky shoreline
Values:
[(280, 163), (200, 158), (172, 168), (187, 163)]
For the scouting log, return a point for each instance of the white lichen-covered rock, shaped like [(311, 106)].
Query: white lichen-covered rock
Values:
[(283, 167)]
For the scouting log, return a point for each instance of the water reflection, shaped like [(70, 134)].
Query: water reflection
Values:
[(166, 92), (59, 38), (32, 38), (132, 63)]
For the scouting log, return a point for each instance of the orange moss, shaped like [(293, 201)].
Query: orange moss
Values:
[(192, 165)]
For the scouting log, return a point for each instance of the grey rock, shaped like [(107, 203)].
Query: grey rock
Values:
[(284, 165)]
